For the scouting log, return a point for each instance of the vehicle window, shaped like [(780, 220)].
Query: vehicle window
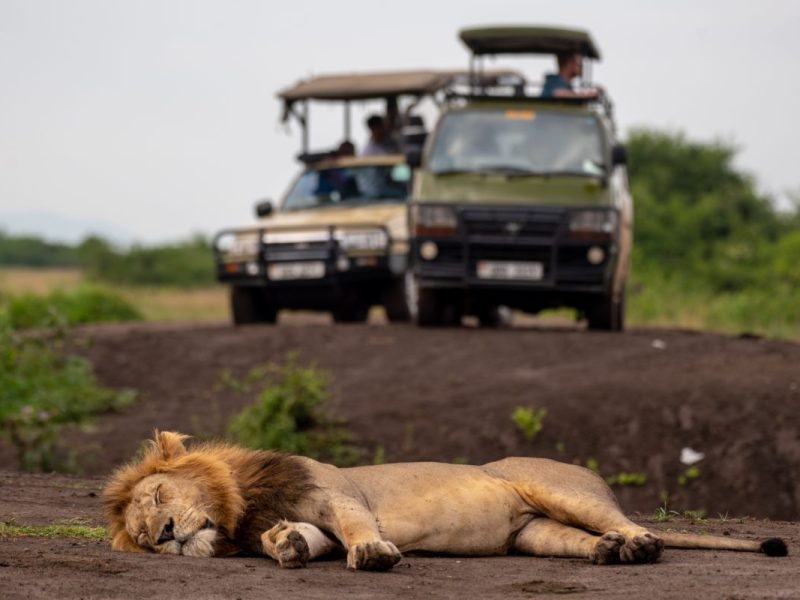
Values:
[(349, 185), (518, 142)]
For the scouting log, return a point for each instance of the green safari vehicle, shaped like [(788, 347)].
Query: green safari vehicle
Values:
[(521, 201)]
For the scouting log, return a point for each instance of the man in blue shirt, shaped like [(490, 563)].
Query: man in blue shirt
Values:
[(557, 85)]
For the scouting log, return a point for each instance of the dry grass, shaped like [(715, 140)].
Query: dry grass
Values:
[(156, 304), (173, 304), (38, 281)]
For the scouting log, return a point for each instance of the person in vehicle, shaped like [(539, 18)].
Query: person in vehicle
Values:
[(380, 140), (346, 148), (559, 85)]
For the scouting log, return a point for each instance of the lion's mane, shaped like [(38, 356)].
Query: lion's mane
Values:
[(250, 490)]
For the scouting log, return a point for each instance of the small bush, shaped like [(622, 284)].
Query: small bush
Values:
[(41, 391), (529, 420), (289, 414), (87, 304)]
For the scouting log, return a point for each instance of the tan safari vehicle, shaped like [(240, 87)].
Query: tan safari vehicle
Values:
[(521, 196), (338, 239)]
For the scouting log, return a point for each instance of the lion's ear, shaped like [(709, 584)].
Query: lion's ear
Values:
[(122, 542), (169, 444)]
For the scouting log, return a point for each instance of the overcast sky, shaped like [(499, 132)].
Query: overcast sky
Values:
[(149, 120)]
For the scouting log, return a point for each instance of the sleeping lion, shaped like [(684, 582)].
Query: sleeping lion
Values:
[(217, 500)]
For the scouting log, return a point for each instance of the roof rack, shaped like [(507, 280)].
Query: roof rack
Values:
[(388, 85), (501, 39), (529, 40)]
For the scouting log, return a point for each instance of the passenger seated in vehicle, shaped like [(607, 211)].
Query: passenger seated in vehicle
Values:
[(559, 85), (346, 148), (380, 140)]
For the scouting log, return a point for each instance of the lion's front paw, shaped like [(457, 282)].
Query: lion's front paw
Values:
[(291, 548), (607, 549), (373, 556), (643, 548)]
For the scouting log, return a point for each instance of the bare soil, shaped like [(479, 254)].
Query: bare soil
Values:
[(631, 402)]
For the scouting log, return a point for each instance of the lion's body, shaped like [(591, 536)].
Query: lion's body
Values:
[(220, 499)]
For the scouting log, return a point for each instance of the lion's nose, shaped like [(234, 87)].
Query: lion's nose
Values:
[(168, 533)]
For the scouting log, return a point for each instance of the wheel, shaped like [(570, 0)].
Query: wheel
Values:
[(493, 316), (606, 314), (250, 305), (396, 301)]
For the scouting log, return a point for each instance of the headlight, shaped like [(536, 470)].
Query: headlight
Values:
[(593, 224), (435, 221), (369, 239), (238, 245)]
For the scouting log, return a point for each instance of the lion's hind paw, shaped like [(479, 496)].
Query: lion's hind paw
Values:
[(607, 549), (373, 556), (645, 548)]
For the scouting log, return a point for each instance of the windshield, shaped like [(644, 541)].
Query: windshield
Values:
[(524, 142), (330, 187)]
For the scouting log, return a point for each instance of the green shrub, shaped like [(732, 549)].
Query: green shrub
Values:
[(86, 304), (289, 414), (41, 391), (32, 251), (183, 264), (529, 420)]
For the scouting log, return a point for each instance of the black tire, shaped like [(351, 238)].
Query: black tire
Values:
[(606, 314), (493, 316), (250, 305), (396, 302)]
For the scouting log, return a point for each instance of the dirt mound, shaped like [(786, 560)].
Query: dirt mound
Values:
[(630, 402)]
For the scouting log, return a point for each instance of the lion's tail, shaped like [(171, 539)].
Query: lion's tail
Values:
[(770, 547)]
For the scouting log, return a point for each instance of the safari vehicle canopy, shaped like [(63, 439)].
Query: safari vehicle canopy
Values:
[(401, 91), (522, 200)]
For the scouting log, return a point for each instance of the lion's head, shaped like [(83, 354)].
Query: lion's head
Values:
[(172, 501)]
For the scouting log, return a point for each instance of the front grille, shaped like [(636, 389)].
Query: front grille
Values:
[(512, 223), (297, 251)]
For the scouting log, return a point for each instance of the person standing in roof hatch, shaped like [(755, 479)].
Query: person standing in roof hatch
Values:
[(380, 141), (559, 85)]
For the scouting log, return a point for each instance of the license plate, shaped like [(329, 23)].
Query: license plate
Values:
[(312, 269), (508, 269)]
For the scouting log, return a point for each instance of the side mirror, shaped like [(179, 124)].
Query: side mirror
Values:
[(264, 208), (414, 158), (619, 155)]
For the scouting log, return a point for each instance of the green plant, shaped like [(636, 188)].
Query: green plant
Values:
[(289, 415), (379, 457), (663, 514), (59, 530), (86, 304), (627, 479), (593, 465), (695, 516), (529, 420), (688, 475), (42, 390)]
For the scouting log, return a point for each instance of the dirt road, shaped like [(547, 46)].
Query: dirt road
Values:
[(630, 403)]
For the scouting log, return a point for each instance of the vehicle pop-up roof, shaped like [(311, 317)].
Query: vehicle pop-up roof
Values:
[(390, 86), (529, 40), (536, 40)]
